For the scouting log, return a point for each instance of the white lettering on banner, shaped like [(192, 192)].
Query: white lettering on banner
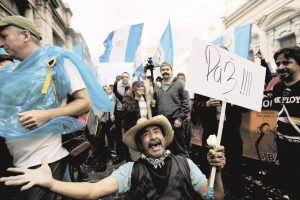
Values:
[(217, 73)]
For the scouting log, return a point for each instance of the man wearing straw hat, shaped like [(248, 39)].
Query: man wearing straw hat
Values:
[(158, 174)]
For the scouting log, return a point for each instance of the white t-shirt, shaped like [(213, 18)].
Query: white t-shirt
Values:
[(28, 152), (143, 108)]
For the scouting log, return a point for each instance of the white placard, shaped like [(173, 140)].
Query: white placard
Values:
[(217, 73)]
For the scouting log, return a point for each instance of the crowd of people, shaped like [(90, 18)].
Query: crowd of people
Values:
[(148, 128)]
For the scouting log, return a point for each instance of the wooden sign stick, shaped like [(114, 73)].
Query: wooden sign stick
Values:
[(219, 136)]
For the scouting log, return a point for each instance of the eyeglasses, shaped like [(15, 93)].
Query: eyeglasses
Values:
[(285, 63)]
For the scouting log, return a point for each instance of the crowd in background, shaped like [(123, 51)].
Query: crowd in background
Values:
[(186, 112)]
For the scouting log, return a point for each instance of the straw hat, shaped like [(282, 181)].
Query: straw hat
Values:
[(160, 120)]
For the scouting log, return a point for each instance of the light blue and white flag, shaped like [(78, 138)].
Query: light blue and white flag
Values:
[(165, 50), (138, 64), (121, 44), (237, 40), (78, 49)]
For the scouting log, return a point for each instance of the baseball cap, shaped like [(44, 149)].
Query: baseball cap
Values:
[(20, 22)]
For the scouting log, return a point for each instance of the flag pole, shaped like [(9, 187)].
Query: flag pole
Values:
[(210, 191)]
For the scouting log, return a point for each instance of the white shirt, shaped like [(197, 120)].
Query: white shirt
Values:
[(28, 152)]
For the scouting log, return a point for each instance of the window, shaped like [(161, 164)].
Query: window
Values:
[(288, 41), (57, 40)]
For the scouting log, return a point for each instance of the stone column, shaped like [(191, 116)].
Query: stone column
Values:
[(68, 41), (273, 44), (296, 28)]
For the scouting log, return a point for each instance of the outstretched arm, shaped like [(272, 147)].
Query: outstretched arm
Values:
[(43, 177), (85, 190)]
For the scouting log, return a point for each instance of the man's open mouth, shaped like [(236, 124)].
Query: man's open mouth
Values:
[(154, 144)]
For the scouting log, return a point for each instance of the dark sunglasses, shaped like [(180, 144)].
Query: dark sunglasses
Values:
[(285, 63)]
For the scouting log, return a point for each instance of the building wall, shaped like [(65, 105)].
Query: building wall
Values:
[(52, 17), (276, 23)]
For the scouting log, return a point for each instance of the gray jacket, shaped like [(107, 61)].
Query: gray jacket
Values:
[(174, 102)]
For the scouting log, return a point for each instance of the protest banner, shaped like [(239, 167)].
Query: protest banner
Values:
[(217, 73)]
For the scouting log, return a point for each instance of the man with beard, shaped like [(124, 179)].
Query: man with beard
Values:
[(158, 174), (287, 102), (172, 101)]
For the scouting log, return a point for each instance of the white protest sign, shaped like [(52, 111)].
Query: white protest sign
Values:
[(217, 73)]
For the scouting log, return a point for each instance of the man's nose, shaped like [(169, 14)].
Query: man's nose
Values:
[(280, 66), (152, 135)]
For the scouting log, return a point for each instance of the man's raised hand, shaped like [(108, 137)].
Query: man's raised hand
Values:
[(41, 176)]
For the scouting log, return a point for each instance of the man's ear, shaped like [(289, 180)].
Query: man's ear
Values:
[(27, 35)]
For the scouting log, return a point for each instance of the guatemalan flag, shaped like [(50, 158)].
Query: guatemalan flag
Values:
[(237, 40), (165, 50), (121, 44)]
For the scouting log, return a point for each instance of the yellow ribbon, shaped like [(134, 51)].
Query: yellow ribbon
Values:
[(49, 79)]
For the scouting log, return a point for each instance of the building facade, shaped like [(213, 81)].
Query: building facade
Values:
[(275, 23), (52, 17)]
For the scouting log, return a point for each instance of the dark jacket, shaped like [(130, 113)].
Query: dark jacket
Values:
[(210, 122), (173, 103), (172, 181), (231, 137), (131, 109), (268, 76)]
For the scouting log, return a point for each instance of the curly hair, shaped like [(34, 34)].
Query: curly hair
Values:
[(291, 52)]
